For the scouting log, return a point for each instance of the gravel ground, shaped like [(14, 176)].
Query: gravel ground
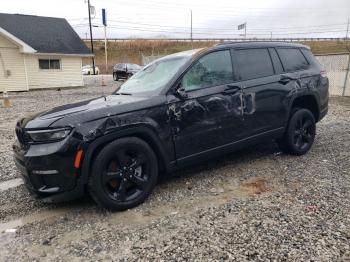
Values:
[(255, 204)]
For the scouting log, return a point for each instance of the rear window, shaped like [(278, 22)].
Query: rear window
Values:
[(252, 63), (292, 59)]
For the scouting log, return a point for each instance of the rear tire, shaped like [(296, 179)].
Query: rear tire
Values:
[(300, 133), (124, 174)]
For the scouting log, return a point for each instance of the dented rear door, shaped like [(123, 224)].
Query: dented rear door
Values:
[(264, 97)]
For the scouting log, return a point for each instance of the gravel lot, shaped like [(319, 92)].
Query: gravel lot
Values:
[(255, 204), (24, 103)]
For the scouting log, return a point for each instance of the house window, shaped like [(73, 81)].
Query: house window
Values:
[(49, 64)]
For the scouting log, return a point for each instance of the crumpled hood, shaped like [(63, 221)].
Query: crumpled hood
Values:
[(72, 114)]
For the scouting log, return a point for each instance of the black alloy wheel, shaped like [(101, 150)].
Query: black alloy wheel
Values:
[(300, 133), (124, 174), (304, 132)]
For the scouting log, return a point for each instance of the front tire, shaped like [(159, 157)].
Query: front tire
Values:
[(300, 133), (124, 173), (115, 77)]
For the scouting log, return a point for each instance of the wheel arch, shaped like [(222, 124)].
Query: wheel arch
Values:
[(143, 133), (307, 101)]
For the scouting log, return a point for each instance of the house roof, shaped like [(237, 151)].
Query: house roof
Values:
[(44, 34)]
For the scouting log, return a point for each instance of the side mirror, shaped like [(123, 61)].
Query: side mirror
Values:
[(180, 92)]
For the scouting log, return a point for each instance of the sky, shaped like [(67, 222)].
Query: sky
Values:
[(210, 19)]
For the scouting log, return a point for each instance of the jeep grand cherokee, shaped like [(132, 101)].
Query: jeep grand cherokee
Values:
[(178, 110)]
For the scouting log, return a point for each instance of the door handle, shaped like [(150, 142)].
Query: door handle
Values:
[(231, 89), (285, 79)]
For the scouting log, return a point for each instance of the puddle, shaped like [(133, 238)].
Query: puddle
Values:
[(35, 217), (229, 190), (10, 184), (133, 218)]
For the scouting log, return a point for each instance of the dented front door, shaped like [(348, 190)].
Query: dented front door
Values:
[(205, 120), (211, 115)]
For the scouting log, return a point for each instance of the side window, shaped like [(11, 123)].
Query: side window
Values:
[(276, 61), (212, 69), (292, 59), (49, 64), (252, 63)]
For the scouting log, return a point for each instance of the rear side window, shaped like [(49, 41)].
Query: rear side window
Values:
[(292, 59), (252, 63), (213, 69)]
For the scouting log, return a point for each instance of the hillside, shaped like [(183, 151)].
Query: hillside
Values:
[(132, 50)]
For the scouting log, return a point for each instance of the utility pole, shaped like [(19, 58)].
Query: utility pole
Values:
[(191, 31), (91, 41), (104, 22), (347, 30), (271, 35)]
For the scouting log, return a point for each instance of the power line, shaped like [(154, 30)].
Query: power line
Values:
[(281, 29), (235, 7), (221, 32), (132, 28)]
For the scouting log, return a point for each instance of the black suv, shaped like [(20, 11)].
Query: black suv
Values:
[(178, 110), (124, 71)]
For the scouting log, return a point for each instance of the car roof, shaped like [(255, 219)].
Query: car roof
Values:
[(187, 53), (257, 44)]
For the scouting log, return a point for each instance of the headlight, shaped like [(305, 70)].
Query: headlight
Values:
[(48, 135)]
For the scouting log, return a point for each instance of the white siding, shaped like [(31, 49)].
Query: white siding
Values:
[(68, 75), (13, 62)]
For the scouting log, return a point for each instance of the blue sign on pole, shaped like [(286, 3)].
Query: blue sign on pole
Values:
[(104, 17)]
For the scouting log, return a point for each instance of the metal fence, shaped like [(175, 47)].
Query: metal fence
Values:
[(337, 67)]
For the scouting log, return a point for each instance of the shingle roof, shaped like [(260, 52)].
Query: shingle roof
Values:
[(44, 34)]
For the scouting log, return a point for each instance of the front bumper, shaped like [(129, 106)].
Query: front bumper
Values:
[(48, 170)]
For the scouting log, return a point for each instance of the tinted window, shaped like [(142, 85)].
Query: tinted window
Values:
[(211, 70), (292, 59), (252, 63)]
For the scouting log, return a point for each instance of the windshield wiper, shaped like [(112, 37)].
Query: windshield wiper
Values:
[(124, 94)]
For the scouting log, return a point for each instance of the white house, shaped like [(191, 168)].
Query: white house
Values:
[(39, 52)]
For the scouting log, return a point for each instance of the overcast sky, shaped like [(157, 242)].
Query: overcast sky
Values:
[(211, 19)]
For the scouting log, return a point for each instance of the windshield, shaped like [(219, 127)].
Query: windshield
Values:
[(154, 76), (86, 67)]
